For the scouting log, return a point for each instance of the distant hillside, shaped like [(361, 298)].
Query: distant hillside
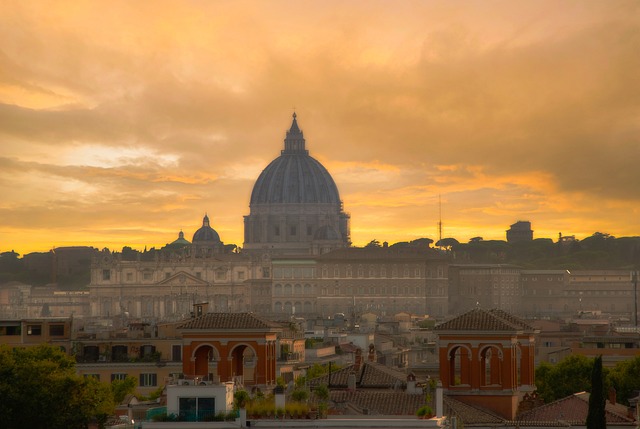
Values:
[(597, 252)]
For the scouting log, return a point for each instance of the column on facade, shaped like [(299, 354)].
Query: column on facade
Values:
[(510, 368), (472, 374), (495, 376), (526, 364)]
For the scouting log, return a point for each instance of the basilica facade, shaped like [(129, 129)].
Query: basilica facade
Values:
[(296, 259)]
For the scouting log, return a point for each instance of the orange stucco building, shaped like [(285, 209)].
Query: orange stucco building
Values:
[(487, 359), (239, 347)]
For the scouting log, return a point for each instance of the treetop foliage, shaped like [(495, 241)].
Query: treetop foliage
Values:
[(574, 374), (43, 378), (599, 251)]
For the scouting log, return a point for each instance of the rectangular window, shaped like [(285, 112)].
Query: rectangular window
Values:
[(293, 230), (129, 277), (167, 275), (196, 409), (176, 353), (56, 330), (276, 230), (147, 351), (106, 274), (206, 408), (10, 330), (309, 230), (148, 380), (96, 376), (120, 376), (188, 410), (35, 330), (199, 274), (240, 275), (146, 276)]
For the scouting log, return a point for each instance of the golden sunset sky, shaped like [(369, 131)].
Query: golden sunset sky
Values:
[(122, 123)]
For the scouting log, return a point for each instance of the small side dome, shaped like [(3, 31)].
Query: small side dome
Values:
[(326, 232), (206, 235), (181, 241)]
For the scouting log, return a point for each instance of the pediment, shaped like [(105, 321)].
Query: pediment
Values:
[(182, 278)]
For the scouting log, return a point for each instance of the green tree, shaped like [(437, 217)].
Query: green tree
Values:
[(447, 243), (373, 243), (596, 416), (240, 399), (300, 395), (43, 378), (121, 388), (571, 375), (625, 378), (322, 392)]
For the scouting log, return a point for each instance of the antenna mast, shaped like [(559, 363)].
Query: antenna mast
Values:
[(440, 217)]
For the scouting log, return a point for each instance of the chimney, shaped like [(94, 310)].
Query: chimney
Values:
[(351, 381), (613, 396), (372, 353), (357, 363), (200, 309)]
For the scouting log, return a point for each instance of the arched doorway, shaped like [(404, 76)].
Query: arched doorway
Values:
[(206, 362), (243, 364)]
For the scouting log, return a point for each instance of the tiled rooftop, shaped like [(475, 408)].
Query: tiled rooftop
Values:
[(469, 414), (371, 375), (567, 412), (485, 320), (378, 402), (228, 321), (574, 409)]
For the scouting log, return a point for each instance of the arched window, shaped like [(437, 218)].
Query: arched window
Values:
[(459, 366), (491, 366)]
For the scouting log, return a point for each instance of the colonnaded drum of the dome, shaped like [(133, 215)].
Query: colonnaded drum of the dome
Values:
[(295, 206)]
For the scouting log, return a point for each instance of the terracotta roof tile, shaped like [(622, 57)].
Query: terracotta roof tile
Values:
[(574, 409), (228, 321), (485, 320), (387, 402), (470, 414), (371, 375)]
